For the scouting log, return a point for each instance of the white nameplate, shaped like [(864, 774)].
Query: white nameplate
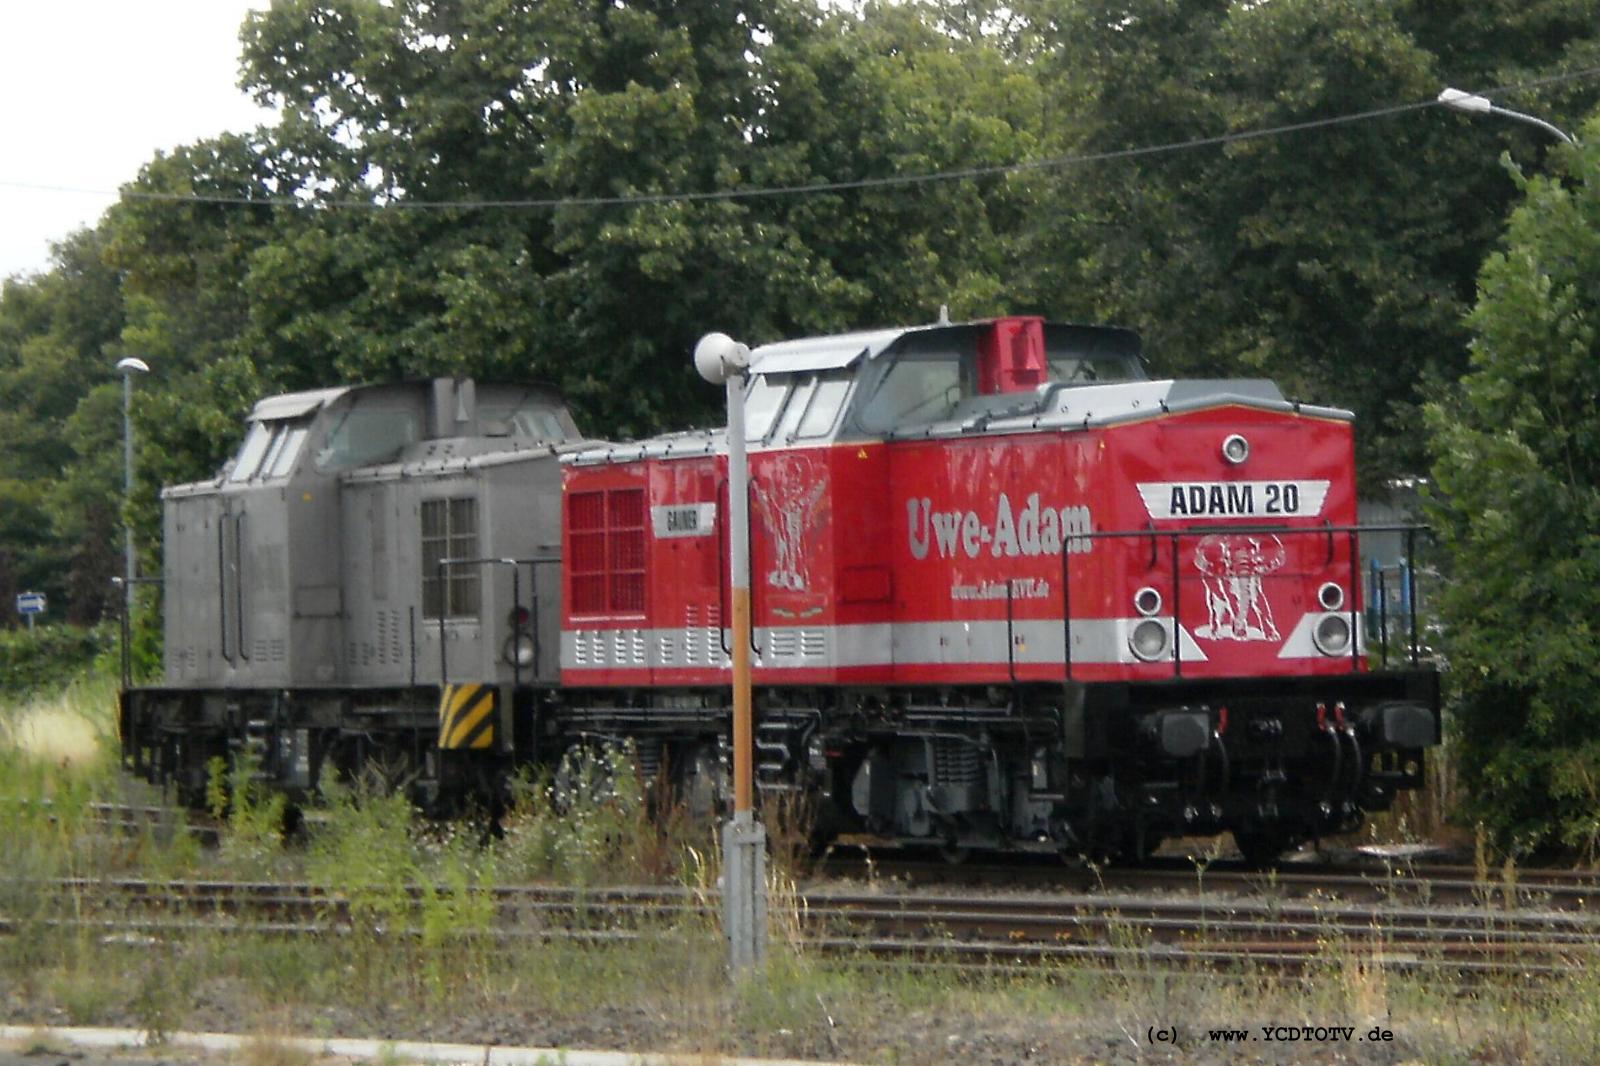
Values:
[(1214, 501), (684, 520)]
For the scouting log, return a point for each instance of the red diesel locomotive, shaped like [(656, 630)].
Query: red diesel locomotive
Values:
[(1007, 591)]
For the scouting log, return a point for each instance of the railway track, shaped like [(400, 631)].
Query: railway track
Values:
[(1363, 879), (1104, 928), (1366, 880), (132, 819)]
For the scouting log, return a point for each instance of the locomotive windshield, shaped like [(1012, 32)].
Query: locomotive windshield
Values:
[(922, 385), (369, 433), (270, 449), (525, 413), (788, 407)]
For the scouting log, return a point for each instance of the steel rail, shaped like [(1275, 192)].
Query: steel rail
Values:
[(1565, 889), (1196, 932)]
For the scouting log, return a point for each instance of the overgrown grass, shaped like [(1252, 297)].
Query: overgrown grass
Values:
[(594, 822), (665, 989), (419, 959)]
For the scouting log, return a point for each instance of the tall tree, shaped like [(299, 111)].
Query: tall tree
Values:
[(1337, 259), (416, 104), (58, 337), (1517, 463)]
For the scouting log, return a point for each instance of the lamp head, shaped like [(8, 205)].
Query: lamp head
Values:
[(1471, 103), (132, 365), (718, 357)]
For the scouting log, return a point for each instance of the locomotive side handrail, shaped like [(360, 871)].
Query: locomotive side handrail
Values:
[(238, 584), (126, 626), (1353, 532), (724, 575), (222, 589), (516, 609)]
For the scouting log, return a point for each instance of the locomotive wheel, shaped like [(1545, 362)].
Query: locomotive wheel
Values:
[(954, 854), (1264, 847)]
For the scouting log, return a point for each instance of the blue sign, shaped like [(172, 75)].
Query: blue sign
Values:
[(30, 603)]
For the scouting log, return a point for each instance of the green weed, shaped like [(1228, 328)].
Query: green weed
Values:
[(593, 821)]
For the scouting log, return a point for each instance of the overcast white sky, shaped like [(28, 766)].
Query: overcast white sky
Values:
[(89, 90)]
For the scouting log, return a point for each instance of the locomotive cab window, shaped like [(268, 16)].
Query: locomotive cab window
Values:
[(288, 450), (1072, 368), (763, 399), (251, 452), (450, 531), (528, 413), (367, 433), (269, 450), (920, 387), (812, 406)]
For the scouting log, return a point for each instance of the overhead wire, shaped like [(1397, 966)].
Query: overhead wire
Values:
[(819, 187)]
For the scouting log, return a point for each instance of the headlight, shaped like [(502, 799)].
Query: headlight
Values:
[(1147, 601), (1148, 641), (518, 650), (1331, 596), (1331, 635), (1235, 449)]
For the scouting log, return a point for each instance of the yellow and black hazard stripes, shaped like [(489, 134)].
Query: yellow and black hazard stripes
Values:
[(466, 716)]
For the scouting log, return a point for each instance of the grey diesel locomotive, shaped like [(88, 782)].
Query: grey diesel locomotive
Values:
[(363, 547)]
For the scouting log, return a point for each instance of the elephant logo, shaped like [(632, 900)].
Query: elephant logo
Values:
[(791, 502), (1234, 569)]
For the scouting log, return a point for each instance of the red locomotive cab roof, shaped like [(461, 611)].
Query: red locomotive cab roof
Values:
[(996, 376)]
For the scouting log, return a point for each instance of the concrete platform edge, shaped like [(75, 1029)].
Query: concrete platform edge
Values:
[(401, 1050)]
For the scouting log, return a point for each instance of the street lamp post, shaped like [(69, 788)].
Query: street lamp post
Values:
[(1473, 104), (723, 361), (127, 368)]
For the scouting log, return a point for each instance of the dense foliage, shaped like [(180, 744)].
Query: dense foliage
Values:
[(1518, 505), (359, 237), (46, 658)]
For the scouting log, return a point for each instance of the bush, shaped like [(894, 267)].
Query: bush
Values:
[(48, 657)]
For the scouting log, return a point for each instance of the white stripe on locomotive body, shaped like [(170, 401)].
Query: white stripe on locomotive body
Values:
[(886, 644)]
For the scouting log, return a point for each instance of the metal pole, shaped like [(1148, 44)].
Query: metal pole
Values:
[(722, 360), (127, 491), (744, 839), (739, 591), (1383, 612), (127, 367)]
